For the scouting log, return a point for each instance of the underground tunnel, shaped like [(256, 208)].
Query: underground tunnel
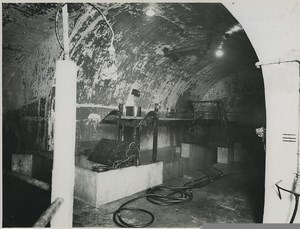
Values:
[(167, 95)]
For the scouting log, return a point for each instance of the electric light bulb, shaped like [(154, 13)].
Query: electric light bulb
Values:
[(150, 12), (111, 51), (219, 53)]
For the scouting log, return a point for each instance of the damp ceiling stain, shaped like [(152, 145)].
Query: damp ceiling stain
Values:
[(138, 62)]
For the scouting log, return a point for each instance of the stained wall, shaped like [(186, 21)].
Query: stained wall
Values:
[(106, 76)]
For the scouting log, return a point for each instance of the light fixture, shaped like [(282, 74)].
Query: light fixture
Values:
[(111, 51), (234, 29), (219, 53), (150, 12)]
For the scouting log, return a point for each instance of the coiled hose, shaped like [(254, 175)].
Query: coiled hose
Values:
[(165, 196)]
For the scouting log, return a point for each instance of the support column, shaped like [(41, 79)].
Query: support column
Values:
[(267, 24), (282, 137), (64, 142), (63, 173)]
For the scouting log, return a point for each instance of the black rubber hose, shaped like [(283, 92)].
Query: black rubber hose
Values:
[(165, 196), (118, 220), (56, 25), (176, 195), (295, 208), (296, 200)]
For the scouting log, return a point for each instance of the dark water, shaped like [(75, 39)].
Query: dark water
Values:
[(22, 203)]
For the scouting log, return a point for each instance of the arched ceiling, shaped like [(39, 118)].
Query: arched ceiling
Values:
[(169, 57)]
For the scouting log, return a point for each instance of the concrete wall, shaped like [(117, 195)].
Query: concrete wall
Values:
[(109, 82)]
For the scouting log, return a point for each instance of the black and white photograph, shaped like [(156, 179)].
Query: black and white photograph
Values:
[(157, 114)]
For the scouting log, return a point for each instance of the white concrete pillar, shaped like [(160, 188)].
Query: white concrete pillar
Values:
[(273, 29), (282, 101), (64, 142)]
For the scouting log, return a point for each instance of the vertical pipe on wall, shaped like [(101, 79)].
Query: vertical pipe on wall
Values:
[(1, 104), (120, 125), (66, 30), (155, 135)]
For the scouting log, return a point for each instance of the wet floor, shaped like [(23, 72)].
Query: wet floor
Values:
[(237, 198)]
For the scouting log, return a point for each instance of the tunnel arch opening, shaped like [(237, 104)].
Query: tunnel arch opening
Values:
[(198, 75), (277, 62), (233, 79)]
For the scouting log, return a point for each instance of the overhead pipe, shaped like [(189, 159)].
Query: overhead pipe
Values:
[(278, 61), (175, 53)]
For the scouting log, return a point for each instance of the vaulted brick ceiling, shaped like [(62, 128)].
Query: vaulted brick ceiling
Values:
[(30, 50)]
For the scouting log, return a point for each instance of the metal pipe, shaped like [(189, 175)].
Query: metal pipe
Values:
[(155, 135), (120, 126), (183, 49), (37, 183), (137, 142), (66, 31), (49, 213), (191, 48), (278, 61)]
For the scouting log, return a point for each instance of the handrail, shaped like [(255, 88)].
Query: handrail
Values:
[(49, 213), (30, 180)]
